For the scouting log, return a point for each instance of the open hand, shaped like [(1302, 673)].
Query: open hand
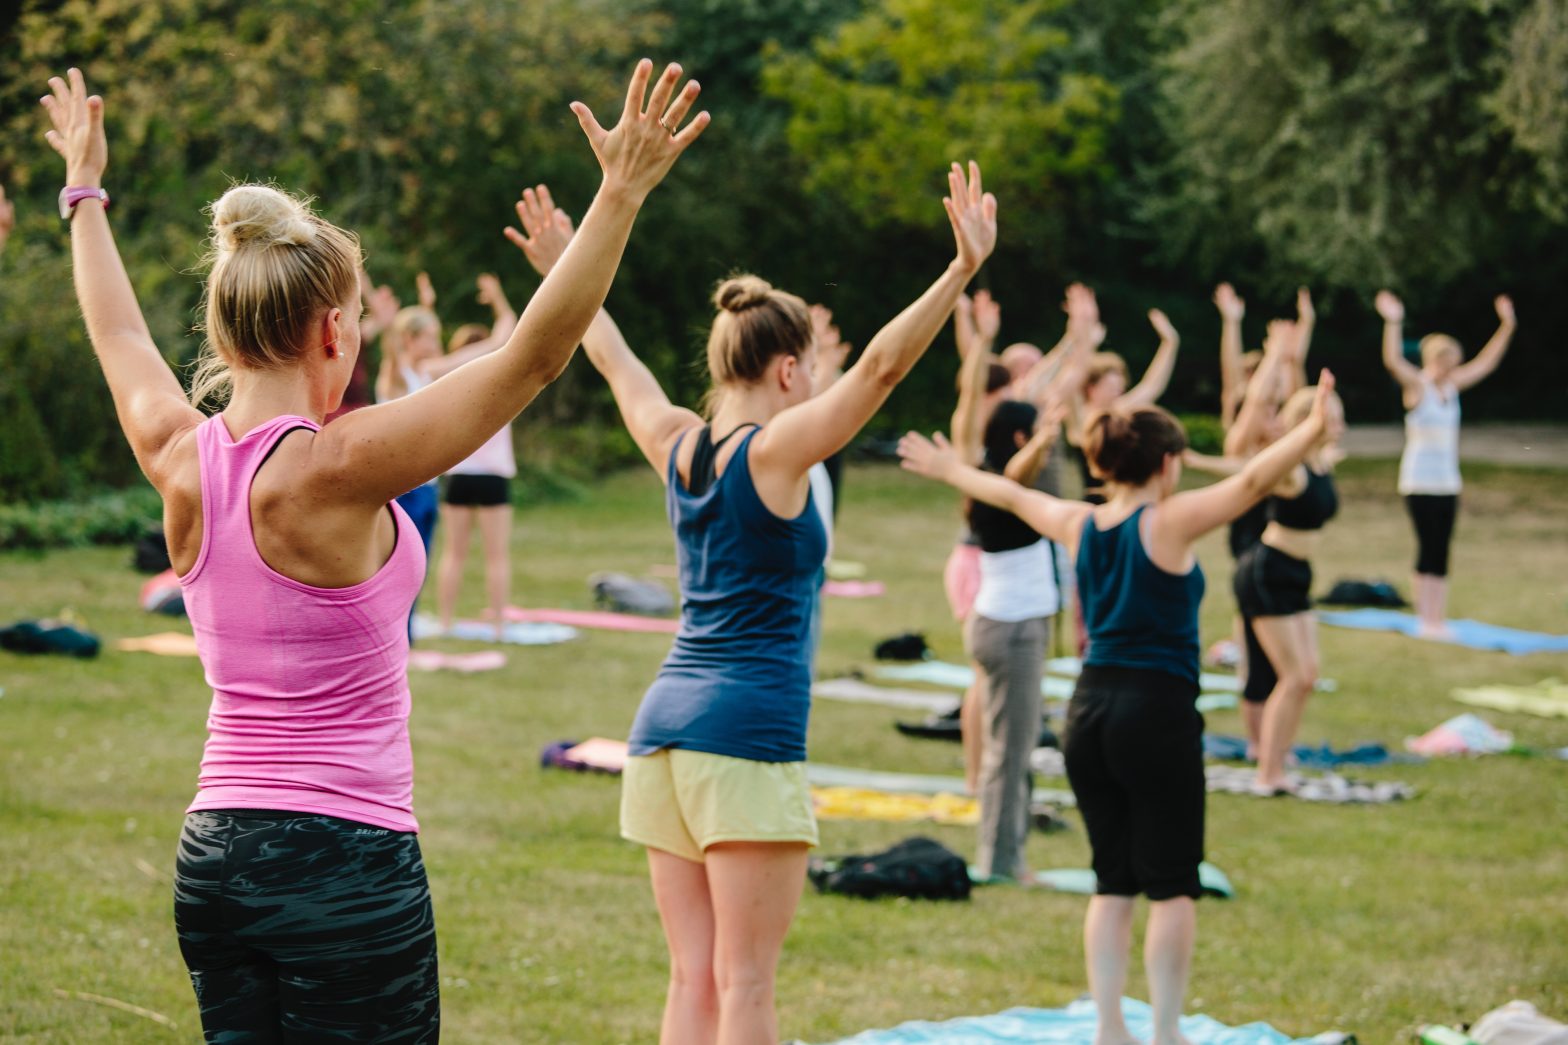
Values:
[(1083, 310), (547, 229), (1321, 408), (426, 290), (1162, 326), (931, 458), (1232, 307), (1280, 337), (639, 151), (1390, 307), (1305, 313), (490, 292), (1504, 304), (972, 213), (78, 129), (988, 315)]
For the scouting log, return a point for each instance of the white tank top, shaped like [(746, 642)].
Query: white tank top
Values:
[(495, 457), (1019, 584), (1430, 462), (413, 381)]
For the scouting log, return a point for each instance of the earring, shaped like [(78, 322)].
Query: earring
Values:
[(332, 349)]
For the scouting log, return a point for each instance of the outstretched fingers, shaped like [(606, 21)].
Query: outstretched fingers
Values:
[(680, 106), (636, 90), (663, 88), (585, 119)]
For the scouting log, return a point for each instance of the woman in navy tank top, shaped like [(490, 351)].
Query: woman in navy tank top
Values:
[(301, 899), (715, 786), (1133, 743)]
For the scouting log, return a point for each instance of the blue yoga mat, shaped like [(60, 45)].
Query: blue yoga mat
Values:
[(1073, 1025), (1471, 633), (959, 676)]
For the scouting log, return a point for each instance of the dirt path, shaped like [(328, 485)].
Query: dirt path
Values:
[(1534, 445)]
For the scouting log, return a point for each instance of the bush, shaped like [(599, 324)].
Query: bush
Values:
[(118, 517), (1205, 434)]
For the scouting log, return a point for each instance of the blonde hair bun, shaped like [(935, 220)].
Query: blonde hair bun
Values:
[(739, 293), (260, 216)]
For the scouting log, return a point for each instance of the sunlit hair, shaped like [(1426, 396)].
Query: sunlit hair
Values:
[(1101, 365), (467, 334), (1130, 446), (414, 320), (1299, 405), (276, 267), (755, 325), (1435, 346)]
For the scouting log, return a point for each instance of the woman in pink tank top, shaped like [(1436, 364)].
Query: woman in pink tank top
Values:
[(300, 896)]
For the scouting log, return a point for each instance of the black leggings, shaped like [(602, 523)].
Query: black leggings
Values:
[(1133, 746), (1261, 678), (304, 928), (1434, 516)]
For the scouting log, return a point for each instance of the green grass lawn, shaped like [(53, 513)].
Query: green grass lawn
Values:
[(1373, 920)]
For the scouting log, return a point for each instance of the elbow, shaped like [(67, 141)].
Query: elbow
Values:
[(884, 372)]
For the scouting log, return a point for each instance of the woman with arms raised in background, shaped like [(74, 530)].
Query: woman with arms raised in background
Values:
[(301, 901), (715, 787), (1429, 466), (1134, 738)]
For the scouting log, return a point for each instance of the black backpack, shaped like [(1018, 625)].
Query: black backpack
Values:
[(918, 868), (911, 645)]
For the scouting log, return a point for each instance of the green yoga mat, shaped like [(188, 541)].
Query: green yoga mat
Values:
[(1546, 699), (1082, 880)]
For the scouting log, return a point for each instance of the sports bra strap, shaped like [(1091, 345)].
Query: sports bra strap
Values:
[(704, 458)]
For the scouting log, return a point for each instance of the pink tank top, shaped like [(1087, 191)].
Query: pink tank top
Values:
[(310, 696)]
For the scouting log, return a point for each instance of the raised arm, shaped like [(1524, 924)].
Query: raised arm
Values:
[(1468, 375), (7, 218), (1262, 396), (1407, 374), (503, 321), (1024, 466), (1147, 392), (1061, 521), (973, 376), (652, 420), (147, 396), (1188, 515), (389, 448), (813, 431), (1306, 322), (1232, 310)]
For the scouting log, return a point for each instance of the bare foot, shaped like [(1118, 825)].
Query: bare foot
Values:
[(1121, 1037), (1178, 1039), (1436, 632)]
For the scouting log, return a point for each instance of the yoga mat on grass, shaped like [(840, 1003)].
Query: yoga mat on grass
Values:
[(1471, 633), (863, 803), (1074, 1025), (597, 620), (1546, 699), (854, 589), (961, 676), (462, 663), (820, 775), (854, 691), (515, 633), (1082, 880), (164, 644), (1329, 787)]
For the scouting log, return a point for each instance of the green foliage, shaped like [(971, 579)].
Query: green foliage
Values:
[(1205, 433), (1531, 101), (884, 104), (115, 517)]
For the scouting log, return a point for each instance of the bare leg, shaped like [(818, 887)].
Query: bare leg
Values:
[(495, 529), (458, 523), (1107, 937), (1167, 958), (755, 888), (691, 1006), (1292, 647), (971, 725), (1252, 718)]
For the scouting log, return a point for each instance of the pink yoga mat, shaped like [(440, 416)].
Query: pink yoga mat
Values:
[(854, 589), (600, 619), (466, 663)]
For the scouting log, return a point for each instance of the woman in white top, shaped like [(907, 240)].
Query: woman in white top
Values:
[(1429, 466)]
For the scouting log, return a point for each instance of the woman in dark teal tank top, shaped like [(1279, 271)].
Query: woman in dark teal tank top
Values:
[(715, 784), (1133, 744)]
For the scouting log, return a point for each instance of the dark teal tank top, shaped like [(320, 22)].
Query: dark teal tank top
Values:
[(738, 679), (1137, 615)]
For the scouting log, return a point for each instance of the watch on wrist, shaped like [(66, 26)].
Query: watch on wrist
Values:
[(71, 195)]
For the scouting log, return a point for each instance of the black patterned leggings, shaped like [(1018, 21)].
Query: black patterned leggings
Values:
[(301, 928)]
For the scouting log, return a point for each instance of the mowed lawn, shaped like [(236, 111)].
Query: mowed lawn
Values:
[(1373, 919)]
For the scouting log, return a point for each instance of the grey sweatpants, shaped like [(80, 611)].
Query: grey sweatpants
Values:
[(1011, 656)]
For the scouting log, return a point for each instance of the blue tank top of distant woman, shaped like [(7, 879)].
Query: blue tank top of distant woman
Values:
[(1137, 615), (738, 680)]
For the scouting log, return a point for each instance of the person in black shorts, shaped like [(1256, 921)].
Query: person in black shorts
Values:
[(1133, 743)]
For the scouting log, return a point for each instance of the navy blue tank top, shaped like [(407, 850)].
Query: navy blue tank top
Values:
[(737, 681), (1137, 615)]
